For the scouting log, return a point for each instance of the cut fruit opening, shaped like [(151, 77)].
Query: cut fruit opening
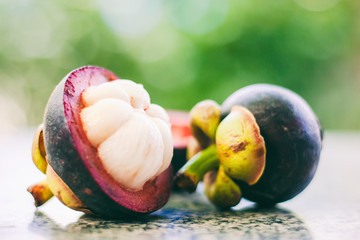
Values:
[(132, 136)]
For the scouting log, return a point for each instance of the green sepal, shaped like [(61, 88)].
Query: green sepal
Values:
[(221, 190)]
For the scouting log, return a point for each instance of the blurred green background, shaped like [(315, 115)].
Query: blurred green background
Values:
[(184, 51)]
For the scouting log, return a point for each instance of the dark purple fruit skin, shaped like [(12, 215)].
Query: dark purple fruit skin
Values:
[(69, 165), (179, 159), (293, 140)]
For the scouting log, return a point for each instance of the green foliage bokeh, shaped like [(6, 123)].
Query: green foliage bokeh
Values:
[(190, 51)]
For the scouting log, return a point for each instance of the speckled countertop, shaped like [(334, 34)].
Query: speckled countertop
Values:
[(328, 209)]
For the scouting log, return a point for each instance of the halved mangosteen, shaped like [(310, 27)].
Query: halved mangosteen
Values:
[(108, 144)]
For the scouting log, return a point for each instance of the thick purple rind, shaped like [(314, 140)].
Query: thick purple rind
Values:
[(66, 161), (293, 139)]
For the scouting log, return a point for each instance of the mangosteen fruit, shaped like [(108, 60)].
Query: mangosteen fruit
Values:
[(293, 140), (104, 147), (262, 144)]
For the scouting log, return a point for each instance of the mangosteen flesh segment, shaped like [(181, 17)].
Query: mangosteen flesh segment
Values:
[(133, 137), (293, 139), (79, 153)]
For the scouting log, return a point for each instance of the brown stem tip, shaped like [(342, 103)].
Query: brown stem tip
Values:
[(40, 192), (187, 182)]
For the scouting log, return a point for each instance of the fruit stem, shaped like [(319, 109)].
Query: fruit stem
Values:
[(41, 192), (194, 170)]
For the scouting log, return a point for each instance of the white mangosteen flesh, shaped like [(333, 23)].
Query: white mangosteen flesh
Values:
[(132, 136)]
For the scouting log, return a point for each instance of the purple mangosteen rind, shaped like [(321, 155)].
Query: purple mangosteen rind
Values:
[(293, 140), (76, 162)]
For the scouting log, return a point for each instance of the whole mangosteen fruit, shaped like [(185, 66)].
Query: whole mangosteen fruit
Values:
[(293, 140), (263, 144), (104, 147)]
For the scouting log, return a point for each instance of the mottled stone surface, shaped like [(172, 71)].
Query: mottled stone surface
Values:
[(185, 217), (328, 209)]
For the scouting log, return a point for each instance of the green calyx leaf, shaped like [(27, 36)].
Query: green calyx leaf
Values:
[(238, 154), (240, 146), (221, 190), (204, 120)]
